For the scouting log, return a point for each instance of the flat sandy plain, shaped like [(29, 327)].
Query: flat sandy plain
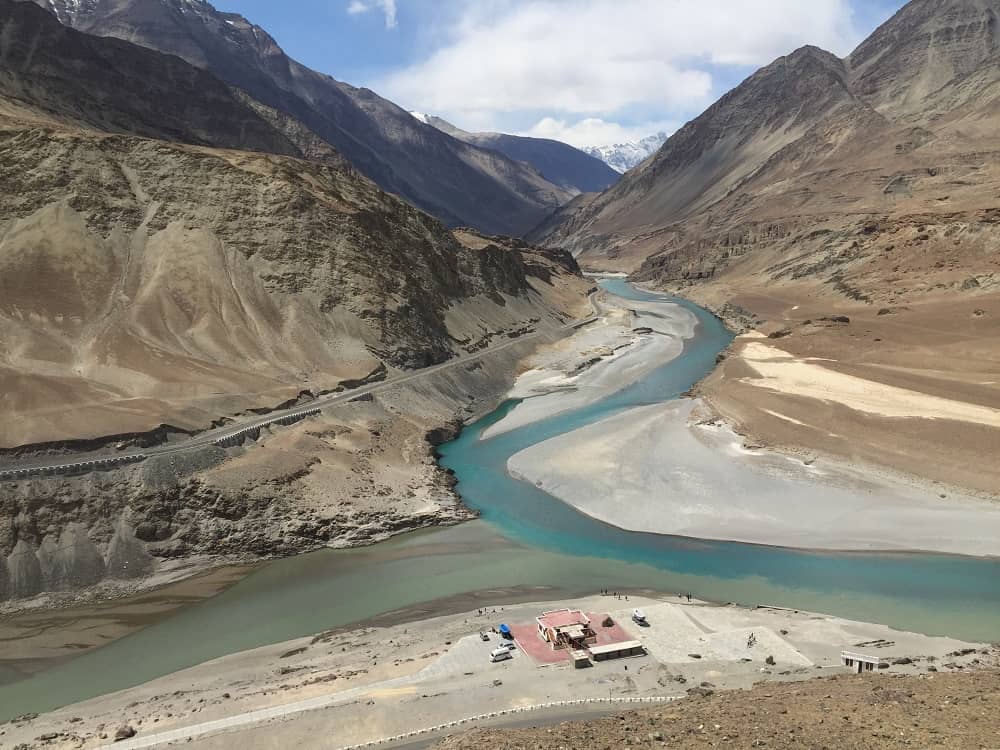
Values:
[(626, 343)]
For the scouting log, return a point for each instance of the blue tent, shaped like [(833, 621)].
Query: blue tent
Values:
[(505, 631)]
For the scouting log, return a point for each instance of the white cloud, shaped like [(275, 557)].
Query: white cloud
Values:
[(593, 131), (596, 58), (363, 6)]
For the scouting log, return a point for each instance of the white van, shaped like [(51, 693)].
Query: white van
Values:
[(499, 654)]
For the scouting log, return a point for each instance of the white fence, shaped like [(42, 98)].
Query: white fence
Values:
[(110, 462), (237, 437), (97, 463)]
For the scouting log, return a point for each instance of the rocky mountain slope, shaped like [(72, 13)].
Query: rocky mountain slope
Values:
[(811, 142), (624, 156), (846, 208), (184, 282), (76, 79), (458, 182), (562, 164)]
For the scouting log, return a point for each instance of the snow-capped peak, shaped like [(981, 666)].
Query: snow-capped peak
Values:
[(424, 118), (621, 157)]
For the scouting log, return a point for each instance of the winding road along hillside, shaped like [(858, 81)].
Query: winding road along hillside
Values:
[(226, 435)]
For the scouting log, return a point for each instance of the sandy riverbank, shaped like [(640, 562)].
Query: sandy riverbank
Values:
[(379, 681), (58, 629), (649, 470), (657, 469), (628, 341)]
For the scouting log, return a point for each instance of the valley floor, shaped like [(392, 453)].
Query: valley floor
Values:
[(662, 469)]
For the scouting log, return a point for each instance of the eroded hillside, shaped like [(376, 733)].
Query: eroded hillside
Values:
[(161, 275)]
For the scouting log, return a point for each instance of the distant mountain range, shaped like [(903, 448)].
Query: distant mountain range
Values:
[(622, 157), (455, 180), (559, 162)]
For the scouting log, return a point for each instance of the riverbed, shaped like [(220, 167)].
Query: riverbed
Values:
[(528, 544)]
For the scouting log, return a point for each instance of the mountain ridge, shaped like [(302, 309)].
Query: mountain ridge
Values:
[(624, 156), (796, 119), (842, 214), (459, 183), (115, 86), (558, 162)]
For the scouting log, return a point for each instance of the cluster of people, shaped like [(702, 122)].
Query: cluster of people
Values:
[(615, 594)]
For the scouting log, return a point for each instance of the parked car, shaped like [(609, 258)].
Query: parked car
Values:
[(639, 617), (500, 654), (484, 636)]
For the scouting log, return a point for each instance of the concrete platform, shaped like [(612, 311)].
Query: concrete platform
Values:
[(531, 644)]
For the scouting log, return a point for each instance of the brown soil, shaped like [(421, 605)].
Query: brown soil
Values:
[(876, 711), (940, 346)]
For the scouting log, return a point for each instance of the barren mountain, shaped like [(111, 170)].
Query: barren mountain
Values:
[(458, 182), (115, 86), (185, 282), (897, 128), (819, 190), (562, 164)]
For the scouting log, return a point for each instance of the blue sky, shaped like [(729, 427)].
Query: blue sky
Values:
[(585, 71)]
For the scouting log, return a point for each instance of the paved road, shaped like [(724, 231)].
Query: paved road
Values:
[(527, 717), (20, 470)]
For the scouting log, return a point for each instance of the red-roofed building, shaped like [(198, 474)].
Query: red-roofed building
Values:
[(566, 628)]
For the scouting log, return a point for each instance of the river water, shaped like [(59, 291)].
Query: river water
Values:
[(529, 545)]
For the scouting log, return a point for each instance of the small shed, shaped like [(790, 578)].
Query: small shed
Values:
[(859, 662), (579, 658), (617, 650)]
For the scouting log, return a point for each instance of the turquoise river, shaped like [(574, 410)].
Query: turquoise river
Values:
[(529, 544)]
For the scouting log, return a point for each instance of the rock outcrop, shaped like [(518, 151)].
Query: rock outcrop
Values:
[(25, 571), (5, 586), (127, 556), (77, 563)]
